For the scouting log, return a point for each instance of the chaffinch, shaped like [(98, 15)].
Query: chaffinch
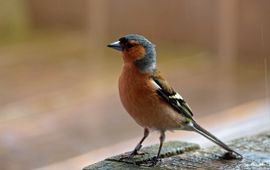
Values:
[(149, 98)]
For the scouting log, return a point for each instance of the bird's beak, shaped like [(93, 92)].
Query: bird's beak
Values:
[(115, 45)]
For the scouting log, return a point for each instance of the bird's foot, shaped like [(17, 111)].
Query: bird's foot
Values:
[(132, 154), (154, 161), (139, 153)]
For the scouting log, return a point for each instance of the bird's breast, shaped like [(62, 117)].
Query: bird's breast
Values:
[(134, 88), (140, 100)]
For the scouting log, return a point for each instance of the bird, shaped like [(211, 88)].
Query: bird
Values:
[(149, 98)]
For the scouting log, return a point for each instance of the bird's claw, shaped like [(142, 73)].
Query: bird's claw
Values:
[(140, 153), (131, 155), (154, 161), (125, 157)]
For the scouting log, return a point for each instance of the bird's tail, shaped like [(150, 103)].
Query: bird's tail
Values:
[(211, 137)]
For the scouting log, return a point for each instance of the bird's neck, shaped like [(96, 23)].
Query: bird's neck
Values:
[(147, 64)]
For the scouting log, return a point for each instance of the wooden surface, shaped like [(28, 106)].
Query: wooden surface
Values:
[(178, 155)]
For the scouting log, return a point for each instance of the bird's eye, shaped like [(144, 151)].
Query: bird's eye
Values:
[(129, 45)]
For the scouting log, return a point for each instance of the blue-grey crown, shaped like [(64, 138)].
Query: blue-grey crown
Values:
[(147, 64)]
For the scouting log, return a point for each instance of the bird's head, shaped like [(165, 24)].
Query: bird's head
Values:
[(137, 50)]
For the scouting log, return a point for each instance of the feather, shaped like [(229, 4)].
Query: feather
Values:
[(211, 137), (174, 99)]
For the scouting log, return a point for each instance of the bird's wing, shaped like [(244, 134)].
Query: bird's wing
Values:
[(174, 99), (166, 92)]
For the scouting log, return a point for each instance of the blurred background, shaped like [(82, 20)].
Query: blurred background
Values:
[(58, 80)]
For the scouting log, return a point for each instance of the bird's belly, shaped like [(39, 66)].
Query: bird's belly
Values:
[(147, 109)]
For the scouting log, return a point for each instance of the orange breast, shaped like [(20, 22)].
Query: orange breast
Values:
[(141, 102)]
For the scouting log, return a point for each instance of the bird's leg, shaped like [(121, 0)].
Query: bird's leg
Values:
[(138, 146), (161, 138)]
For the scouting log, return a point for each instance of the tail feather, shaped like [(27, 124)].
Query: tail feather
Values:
[(211, 137)]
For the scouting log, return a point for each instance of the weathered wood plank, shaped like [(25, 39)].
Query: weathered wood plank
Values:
[(181, 155)]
